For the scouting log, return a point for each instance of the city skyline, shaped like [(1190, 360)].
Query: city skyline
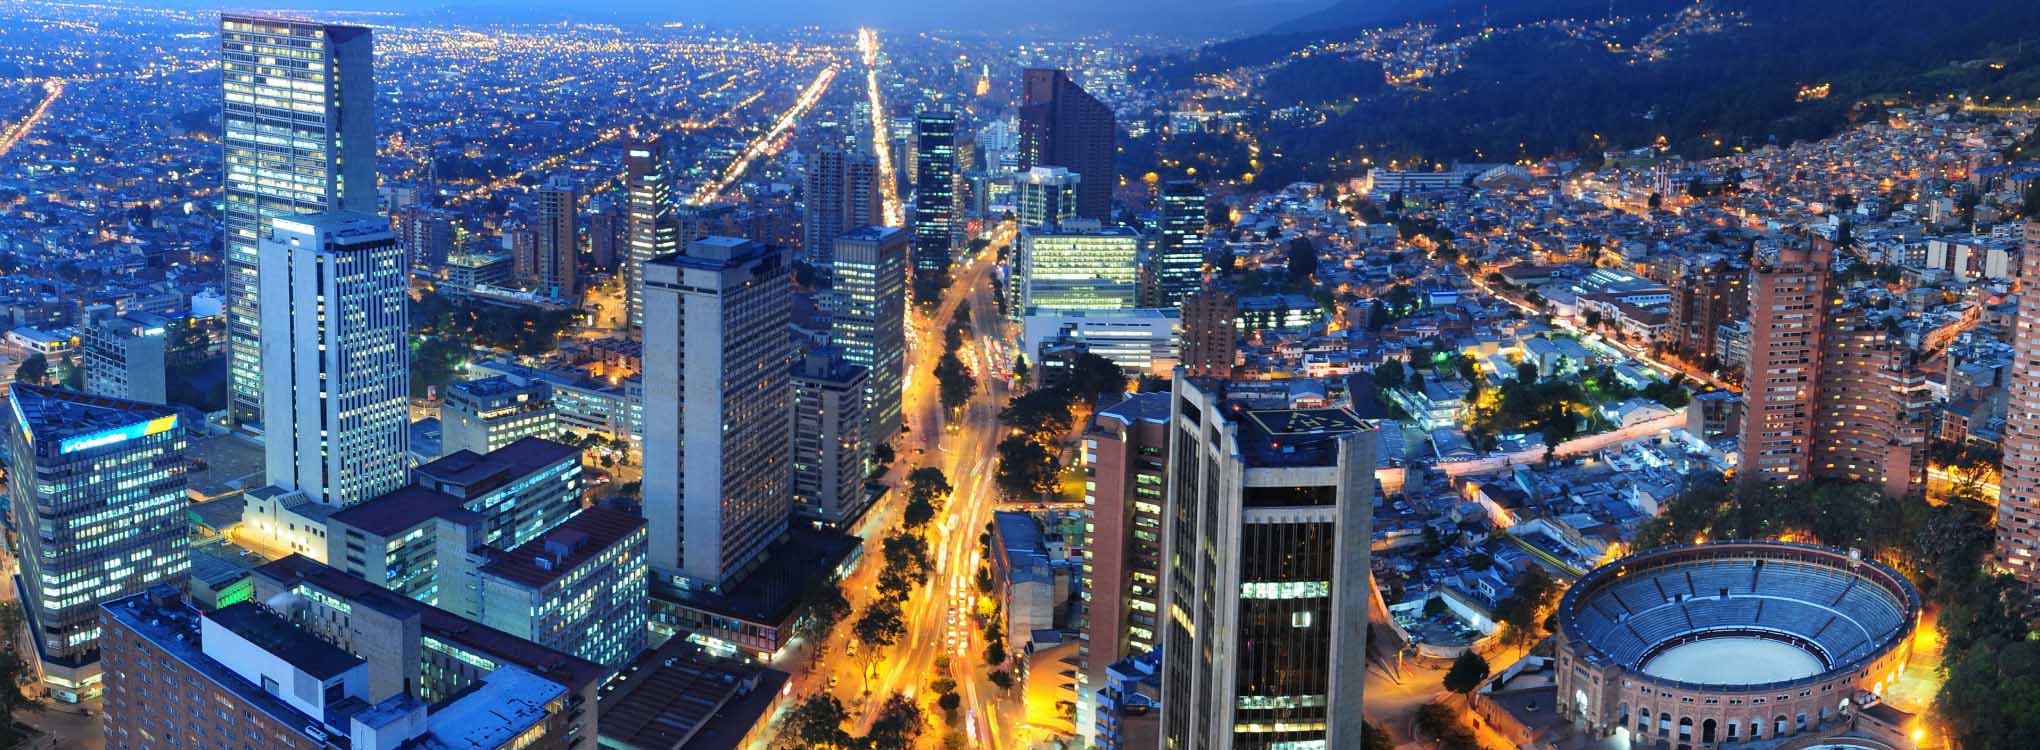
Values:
[(1217, 375)]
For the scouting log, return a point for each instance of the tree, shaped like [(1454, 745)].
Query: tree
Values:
[(1043, 413), (1373, 737), (1303, 258), (1389, 374), (1021, 368), (816, 723), (953, 381), (927, 489), (1468, 671), (14, 671), (907, 553), (1526, 373), (33, 370), (826, 606), (949, 703), (1522, 611), (1089, 376), (1436, 719), (898, 724), (880, 627), (1026, 469), (1002, 678)]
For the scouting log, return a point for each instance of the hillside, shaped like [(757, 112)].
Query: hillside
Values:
[(1705, 78)]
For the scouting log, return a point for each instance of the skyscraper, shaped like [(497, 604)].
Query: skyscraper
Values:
[(336, 365), (1710, 291), (829, 453), (1787, 296), (935, 220), (97, 491), (652, 232), (1875, 408), (1126, 462), (841, 194), (717, 404), (1211, 331), (429, 235), (559, 239), (1045, 196), (607, 235), (871, 329), (2018, 526), (1176, 267), (298, 137), (1266, 521), (1062, 125)]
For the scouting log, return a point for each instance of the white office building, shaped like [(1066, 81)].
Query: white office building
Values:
[(336, 368), (717, 404)]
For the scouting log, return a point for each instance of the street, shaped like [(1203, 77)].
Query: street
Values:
[(937, 615)]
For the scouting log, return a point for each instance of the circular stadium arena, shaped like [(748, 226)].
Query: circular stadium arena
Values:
[(1730, 643)]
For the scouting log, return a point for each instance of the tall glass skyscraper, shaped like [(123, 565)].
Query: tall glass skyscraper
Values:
[(1064, 126), (299, 137), (97, 491), (871, 274), (651, 228), (935, 220), (1177, 264)]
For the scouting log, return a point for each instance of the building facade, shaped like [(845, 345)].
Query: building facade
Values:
[(125, 357), (2018, 526), (500, 499), (559, 239), (336, 362), (579, 588), (936, 219), (489, 413), (1787, 296), (1876, 406), (96, 487), (717, 404), (1211, 332), (1176, 267), (1126, 459), (871, 329), (829, 452), (314, 84), (1062, 125), (1078, 266), (1265, 521), (1045, 196), (841, 193), (650, 228)]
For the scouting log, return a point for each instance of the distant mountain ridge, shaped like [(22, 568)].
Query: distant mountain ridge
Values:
[(1559, 77)]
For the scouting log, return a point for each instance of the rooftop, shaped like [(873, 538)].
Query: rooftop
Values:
[(437, 623), (1295, 437), (565, 547), (172, 627), (47, 413), (480, 472), (285, 640), (398, 510), (680, 697), (506, 703), (1152, 406)]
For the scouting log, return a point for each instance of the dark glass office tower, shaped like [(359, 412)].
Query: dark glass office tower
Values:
[(937, 134), (1062, 126)]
